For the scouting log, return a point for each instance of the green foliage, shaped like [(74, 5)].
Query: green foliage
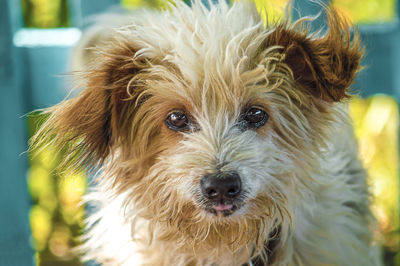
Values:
[(56, 216), (376, 124), (144, 3), (367, 11), (45, 13)]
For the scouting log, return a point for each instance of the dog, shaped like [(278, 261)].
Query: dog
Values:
[(218, 139)]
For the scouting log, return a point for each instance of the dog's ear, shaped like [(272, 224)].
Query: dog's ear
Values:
[(323, 66), (86, 126)]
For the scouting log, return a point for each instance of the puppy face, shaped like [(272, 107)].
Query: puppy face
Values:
[(208, 120)]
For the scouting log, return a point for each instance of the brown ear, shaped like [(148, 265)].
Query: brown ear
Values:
[(87, 125), (323, 66)]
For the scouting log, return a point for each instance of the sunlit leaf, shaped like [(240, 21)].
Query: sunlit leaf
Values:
[(376, 126), (367, 11), (45, 13), (41, 225), (131, 4)]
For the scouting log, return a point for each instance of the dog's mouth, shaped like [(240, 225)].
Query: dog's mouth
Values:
[(222, 209)]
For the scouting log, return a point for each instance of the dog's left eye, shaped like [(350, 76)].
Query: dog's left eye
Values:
[(177, 121), (255, 117)]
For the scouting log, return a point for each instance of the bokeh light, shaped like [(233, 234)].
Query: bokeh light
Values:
[(376, 125), (45, 13), (56, 216), (367, 11)]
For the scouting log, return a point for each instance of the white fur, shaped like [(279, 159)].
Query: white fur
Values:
[(316, 186)]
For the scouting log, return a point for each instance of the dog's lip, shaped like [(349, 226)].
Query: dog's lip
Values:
[(223, 207)]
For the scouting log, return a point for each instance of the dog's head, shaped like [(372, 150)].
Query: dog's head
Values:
[(209, 120)]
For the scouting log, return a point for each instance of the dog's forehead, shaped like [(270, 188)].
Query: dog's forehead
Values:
[(206, 52)]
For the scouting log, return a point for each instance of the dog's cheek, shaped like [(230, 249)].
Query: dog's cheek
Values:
[(171, 171), (188, 185), (269, 172), (186, 168)]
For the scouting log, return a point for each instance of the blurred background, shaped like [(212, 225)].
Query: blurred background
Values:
[(40, 215)]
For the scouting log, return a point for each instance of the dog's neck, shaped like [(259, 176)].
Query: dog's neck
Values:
[(269, 251)]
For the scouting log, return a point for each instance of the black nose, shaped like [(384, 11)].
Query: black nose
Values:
[(221, 186)]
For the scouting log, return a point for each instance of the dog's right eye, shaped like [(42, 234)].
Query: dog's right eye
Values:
[(177, 121), (255, 117)]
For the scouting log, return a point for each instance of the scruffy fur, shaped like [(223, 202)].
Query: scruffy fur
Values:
[(305, 199)]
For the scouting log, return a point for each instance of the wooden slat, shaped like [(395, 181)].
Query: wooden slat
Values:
[(302, 8), (382, 62), (14, 198), (82, 9)]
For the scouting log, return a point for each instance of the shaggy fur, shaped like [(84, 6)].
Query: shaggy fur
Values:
[(304, 198)]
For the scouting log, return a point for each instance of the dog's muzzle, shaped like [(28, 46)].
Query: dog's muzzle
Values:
[(221, 190)]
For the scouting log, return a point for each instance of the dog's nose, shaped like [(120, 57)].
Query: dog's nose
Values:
[(221, 186)]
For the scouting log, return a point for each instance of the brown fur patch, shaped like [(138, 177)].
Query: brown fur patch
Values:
[(89, 124), (324, 66)]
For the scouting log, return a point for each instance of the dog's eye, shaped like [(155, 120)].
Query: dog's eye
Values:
[(177, 121), (255, 117)]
